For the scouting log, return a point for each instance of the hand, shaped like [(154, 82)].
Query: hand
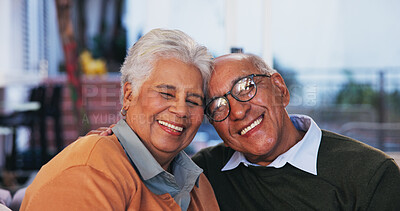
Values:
[(102, 131)]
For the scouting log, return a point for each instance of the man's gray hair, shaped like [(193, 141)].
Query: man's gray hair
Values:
[(260, 64), (158, 44)]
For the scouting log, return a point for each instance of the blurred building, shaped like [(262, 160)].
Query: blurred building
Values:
[(314, 44)]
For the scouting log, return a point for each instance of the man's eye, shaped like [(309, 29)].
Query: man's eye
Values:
[(218, 109), (166, 95), (243, 90), (248, 86)]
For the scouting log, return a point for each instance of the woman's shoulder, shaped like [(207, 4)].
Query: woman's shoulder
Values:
[(101, 152), (202, 195), (83, 149), (94, 151)]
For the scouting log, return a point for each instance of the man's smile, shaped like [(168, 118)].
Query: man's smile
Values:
[(252, 125)]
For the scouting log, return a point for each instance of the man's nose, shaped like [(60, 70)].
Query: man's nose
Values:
[(239, 109)]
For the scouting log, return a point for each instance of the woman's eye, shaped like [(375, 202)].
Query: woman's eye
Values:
[(195, 102), (166, 95)]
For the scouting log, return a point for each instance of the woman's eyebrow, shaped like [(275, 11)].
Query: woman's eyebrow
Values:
[(171, 87), (166, 86), (190, 94)]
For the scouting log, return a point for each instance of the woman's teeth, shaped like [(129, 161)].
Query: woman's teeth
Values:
[(177, 128), (247, 129)]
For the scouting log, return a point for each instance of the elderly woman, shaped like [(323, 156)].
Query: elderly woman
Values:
[(142, 166)]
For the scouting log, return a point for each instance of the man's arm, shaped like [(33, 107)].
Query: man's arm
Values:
[(102, 131)]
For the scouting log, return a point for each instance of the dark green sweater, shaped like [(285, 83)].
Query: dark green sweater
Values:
[(351, 176)]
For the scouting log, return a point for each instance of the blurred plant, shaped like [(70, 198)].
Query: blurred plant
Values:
[(113, 48), (353, 92), (71, 48), (290, 77), (91, 66), (109, 43), (394, 104)]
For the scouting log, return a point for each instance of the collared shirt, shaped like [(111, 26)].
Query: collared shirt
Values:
[(302, 155), (179, 184)]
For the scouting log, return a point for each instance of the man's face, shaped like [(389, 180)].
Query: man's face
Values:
[(255, 127)]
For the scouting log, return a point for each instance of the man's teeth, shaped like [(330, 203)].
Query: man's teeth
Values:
[(177, 128), (255, 123)]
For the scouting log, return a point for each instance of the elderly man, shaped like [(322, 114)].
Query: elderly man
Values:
[(273, 161)]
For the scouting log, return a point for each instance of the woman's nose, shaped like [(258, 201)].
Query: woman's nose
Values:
[(179, 107)]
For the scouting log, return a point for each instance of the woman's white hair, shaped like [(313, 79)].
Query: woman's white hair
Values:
[(163, 43)]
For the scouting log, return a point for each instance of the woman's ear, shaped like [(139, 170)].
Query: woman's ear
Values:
[(283, 91), (128, 97)]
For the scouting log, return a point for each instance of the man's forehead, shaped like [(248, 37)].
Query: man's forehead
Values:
[(222, 82), (227, 70), (231, 63), (232, 56)]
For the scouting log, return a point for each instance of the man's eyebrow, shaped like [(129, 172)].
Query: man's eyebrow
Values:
[(166, 86), (234, 81)]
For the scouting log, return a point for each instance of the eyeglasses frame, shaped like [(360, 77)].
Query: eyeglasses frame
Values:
[(251, 76)]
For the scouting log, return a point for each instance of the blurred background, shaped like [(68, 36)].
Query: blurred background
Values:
[(60, 60)]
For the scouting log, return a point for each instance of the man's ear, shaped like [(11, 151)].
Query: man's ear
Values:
[(128, 96), (283, 91)]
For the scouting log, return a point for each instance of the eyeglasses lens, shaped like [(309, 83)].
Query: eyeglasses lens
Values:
[(244, 89), (218, 109)]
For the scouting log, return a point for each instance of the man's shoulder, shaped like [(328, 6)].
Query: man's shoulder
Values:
[(341, 155), (213, 152), (348, 147)]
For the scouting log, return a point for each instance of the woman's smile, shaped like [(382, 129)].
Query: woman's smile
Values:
[(171, 128)]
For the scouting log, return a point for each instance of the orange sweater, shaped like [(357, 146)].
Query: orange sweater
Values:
[(94, 173)]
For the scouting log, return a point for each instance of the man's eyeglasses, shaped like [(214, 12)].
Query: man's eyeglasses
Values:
[(218, 109)]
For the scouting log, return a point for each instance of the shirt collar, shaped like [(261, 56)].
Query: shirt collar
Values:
[(179, 184), (302, 155), (144, 161)]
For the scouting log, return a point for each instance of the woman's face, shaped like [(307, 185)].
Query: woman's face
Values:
[(168, 109)]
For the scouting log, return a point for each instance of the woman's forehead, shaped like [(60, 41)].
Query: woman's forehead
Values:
[(177, 74)]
